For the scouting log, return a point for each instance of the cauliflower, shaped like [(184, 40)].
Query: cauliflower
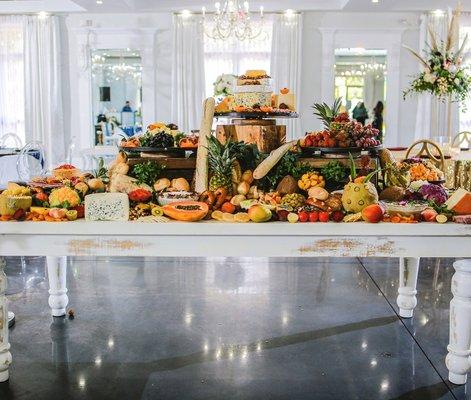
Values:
[(64, 197)]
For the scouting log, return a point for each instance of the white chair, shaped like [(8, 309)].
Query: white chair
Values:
[(31, 161), (11, 140)]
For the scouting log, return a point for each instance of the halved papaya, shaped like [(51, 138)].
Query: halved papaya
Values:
[(189, 211)]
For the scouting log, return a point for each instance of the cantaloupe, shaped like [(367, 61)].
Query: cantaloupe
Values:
[(189, 211), (460, 202)]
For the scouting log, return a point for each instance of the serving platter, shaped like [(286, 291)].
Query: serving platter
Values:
[(258, 114), (312, 151), (167, 151)]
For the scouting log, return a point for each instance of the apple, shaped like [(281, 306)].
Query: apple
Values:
[(429, 215), (259, 213), (373, 213)]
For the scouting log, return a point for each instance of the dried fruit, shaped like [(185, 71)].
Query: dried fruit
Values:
[(311, 179)]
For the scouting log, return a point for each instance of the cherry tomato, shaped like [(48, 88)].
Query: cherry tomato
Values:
[(303, 216), (314, 216), (323, 216)]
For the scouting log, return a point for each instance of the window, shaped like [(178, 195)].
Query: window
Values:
[(235, 56), (465, 115), (12, 100)]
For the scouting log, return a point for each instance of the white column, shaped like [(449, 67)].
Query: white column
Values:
[(57, 273), (5, 355), (328, 62), (458, 360), (408, 272)]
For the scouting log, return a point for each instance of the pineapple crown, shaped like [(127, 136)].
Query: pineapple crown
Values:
[(220, 158), (326, 113)]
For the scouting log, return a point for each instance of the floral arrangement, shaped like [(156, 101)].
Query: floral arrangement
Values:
[(224, 85), (443, 74)]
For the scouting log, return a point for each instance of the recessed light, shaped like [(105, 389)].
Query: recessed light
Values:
[(99, 1), (375, 1)]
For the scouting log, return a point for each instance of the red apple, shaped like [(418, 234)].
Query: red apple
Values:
[(429, 215), (372, 213)]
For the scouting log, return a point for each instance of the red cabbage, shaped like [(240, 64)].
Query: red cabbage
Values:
[(434, 193)]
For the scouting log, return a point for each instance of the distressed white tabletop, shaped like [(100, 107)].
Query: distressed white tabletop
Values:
[(212, 238)]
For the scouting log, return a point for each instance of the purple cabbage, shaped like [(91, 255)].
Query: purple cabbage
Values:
[(434, 193)]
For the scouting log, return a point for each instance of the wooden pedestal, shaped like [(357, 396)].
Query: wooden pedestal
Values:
[(263, 132)]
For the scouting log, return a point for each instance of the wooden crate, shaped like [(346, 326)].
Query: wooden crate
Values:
[(267, 137)]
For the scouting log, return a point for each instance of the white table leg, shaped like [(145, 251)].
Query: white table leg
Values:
[(57, 272), (408, 272), (5, 355), (458, 360)]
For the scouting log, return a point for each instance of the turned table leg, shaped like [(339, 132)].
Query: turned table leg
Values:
[(57, 272), (458, 360), (408, 272), (5, 355)]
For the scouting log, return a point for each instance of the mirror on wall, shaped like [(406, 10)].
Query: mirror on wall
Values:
[(116, 94), (360, 79)]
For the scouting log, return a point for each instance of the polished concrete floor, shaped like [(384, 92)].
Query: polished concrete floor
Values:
[(230, 329)]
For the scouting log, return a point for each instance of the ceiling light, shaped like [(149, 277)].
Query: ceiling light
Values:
[(375, 1), (42, 14), (99, 1)]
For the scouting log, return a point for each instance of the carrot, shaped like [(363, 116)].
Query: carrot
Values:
[(49, 218), (396, 219)]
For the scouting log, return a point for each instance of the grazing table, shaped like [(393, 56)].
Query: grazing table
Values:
[(409, 242)]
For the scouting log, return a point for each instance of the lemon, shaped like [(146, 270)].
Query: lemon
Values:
[(217, 215), (228, 217), (241, 217)]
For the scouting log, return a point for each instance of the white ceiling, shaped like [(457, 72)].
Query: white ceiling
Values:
[(139, 6)]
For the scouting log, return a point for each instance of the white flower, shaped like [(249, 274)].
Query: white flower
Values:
[(430, 78), (457, 81), (452, 69)]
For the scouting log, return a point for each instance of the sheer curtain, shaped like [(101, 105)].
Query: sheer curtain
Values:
[(188, 72), (439, 24), (12, 113), (465, 114), (43, 92), (286, 62)]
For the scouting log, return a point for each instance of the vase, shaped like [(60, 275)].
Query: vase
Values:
[(441, 119)]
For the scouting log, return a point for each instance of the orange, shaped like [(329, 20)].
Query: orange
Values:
[(228, 207)]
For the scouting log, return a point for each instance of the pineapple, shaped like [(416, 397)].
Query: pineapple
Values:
[(220, 164), (326, 113)]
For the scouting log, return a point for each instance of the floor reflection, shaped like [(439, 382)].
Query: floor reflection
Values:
[(228, 328)]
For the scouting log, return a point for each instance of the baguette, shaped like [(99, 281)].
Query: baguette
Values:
[(202, 169), (276, 155)]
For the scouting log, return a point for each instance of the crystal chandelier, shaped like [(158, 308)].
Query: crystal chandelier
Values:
[(233, 20)]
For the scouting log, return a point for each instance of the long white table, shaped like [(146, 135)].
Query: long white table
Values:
[(409, 242)]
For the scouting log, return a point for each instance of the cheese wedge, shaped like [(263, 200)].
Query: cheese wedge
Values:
[(460, 202)]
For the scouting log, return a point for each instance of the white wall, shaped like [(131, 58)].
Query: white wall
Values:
[(152, 34)]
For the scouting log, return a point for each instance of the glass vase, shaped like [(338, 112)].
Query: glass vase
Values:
[(441, 119)]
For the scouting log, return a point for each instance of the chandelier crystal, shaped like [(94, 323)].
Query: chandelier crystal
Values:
[(233, 20)]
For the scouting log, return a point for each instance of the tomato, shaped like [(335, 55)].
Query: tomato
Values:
[(41, 197), (324, 216), (140, 195), (80, 210), (314, 216), (303, 216)]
